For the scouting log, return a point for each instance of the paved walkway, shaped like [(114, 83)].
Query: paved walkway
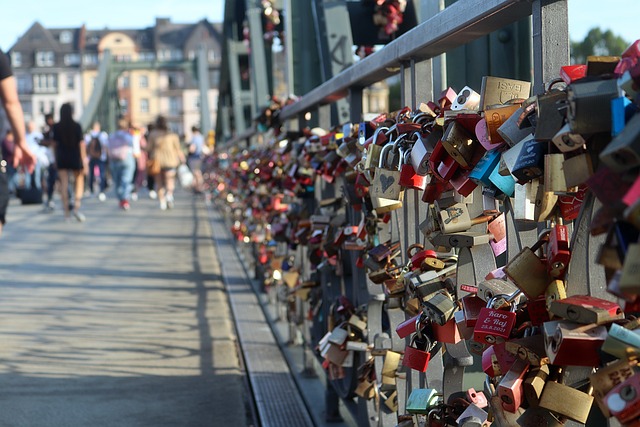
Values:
[(119, 321)]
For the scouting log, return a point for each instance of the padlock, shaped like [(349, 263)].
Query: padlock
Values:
[(465, 332), (466, 99), (447, 333), (416, 355), (629, 279), (577, 170), (534, 384), (566, 401), (558, 254), (510, 132), (483, 169), (509, 157), (530, 162), (537, 311), (571, 203), (495, 117), (586, 309), (421, 400), (502, 418), (465, 239), (623, 153), (489, 288), (530, 348), (598, 65), (556, 290), (471, 306), (551, 111), (411, 325), (589, 105), (477, 398), (498, 90), (504, 183), (622, 109), (494, 325), (528, 271), (385, 191), (554, 175), (510, 387), (609, 376), (408, 176), (566, 140), (439, 307), (462, 183), (482, 135), (623, 400), (417, 253), (459, 144), (456, 218), (569, 343), (539, 417), (371, 156), (571, 73), (496, 360), (622, 342), (473, 416), (422, 149)]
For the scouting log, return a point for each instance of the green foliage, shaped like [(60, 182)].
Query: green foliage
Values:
[(598, 43)]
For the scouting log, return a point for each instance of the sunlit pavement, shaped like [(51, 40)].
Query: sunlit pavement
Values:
[(118, 321)]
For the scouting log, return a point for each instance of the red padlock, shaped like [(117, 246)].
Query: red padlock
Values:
[(408, 176), (494, 325), (471, 307), (447, 333), (570, 204), (477, 398), (586, 309), (441, 163), (462, 183), (570, 73), (419, 255), (410, 326), (510, 387), (496, 360), (537, 310), (558, 254), (416, 355)]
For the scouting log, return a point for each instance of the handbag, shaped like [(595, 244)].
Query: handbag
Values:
[(185, 176), (153, 167)]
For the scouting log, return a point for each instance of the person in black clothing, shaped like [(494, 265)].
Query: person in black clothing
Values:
[(71, 159), (15, 116)]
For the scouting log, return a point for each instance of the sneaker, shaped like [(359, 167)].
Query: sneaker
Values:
[(170, 202), (134, 196), (153, 195), (102, 197), (125, 205), (79, 216), (163, 205)]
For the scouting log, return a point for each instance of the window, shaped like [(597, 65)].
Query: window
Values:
[(45, 83), (174, 106), (196, 102), (164, 54), (144, 105), (71, 82), (90, 59), (191, 55), (52, 106), (124, 106), (72, 59), (211, 55), (66, 37), (24, 83), (16, 59), (45, 59), (41, 104), (124, 82), (144, 82), (147, 56)]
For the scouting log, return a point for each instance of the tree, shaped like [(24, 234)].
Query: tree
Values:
[(598, 43)]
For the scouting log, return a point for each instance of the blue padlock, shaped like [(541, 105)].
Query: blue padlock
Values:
[(530, 163), (481, 172)]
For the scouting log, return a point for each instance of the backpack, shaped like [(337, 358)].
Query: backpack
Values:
[(94, 150)]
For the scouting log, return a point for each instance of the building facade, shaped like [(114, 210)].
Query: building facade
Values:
[(56, 66)]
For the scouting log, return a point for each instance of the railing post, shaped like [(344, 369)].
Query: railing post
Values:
[(550, 40)]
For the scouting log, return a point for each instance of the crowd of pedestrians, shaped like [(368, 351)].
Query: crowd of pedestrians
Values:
[(37, 163)]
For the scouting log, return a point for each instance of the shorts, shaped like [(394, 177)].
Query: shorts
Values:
[(194, 163), (4, 196)]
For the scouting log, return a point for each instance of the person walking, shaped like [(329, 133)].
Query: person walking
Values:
[(122, 162), (52, 170), (197, 150), (15, 118), (71, 160), (164, 148), (96, 141)]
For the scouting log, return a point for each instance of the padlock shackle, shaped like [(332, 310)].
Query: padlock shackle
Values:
[(418, 246)]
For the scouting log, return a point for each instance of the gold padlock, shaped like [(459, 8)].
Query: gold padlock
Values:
[(529, 272), (566, 401)]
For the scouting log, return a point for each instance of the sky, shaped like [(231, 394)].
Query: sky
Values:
[(618, 15)]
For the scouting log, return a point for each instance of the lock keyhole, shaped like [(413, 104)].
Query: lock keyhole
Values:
[(572, 313), (628, 393)]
